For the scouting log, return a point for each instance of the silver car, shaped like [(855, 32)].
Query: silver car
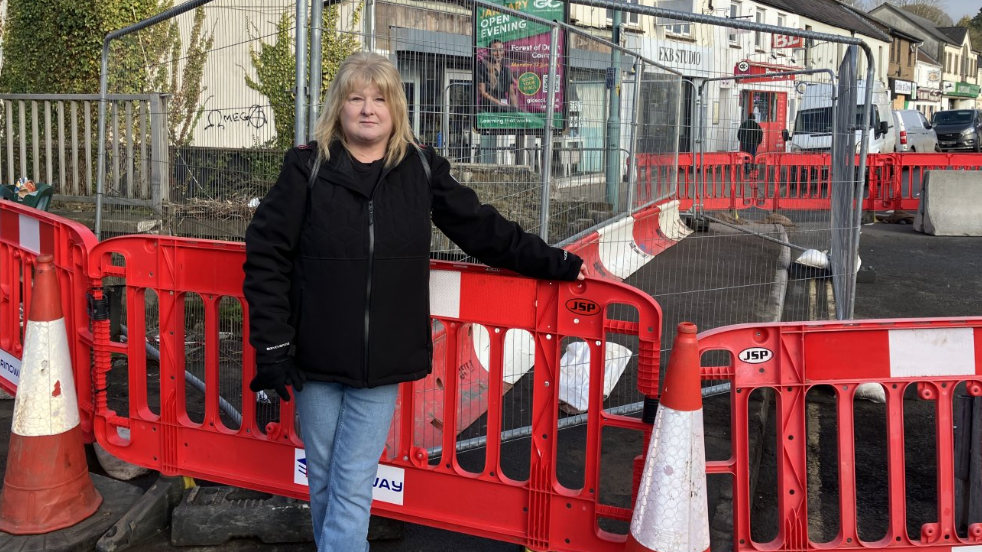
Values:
[(914, 132)]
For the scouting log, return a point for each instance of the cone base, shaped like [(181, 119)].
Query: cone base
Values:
[(632, 545), (50, 489)]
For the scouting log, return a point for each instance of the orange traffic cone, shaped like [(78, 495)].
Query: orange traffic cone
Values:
[(672, 511), (47, 485)]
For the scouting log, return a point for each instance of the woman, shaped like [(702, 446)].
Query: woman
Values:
[(336, 276)]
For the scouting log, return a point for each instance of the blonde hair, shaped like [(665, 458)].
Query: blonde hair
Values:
[(357, 71)]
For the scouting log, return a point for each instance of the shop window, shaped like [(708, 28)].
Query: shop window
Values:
[(762, 104)]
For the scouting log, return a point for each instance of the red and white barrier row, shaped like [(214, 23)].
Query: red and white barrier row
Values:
[(620, 249)]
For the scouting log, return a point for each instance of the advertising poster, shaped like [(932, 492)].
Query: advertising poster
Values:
[(511, 69)]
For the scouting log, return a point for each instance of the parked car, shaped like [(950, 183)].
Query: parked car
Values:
[(914, 132), (959, 129)]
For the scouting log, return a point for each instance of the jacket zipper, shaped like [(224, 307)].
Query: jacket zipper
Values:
[(371, 271)]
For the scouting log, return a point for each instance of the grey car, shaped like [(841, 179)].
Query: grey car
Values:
[(959, 130)]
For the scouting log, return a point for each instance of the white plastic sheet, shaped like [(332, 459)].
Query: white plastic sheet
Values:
[(518, 356), (574, 367)]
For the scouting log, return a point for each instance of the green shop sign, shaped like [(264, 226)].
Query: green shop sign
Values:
[(961, 89)]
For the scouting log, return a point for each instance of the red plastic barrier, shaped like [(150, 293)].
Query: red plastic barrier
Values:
[(902, 182), (718, 183), (166, 434), (716, 186), (789, 180), (931, 355), (654, 229), (26, 233)]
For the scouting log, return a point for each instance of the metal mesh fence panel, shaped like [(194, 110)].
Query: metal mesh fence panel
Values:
[(569, 118), (196, 157)]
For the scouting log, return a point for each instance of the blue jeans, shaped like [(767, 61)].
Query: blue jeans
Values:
[(344, 430)]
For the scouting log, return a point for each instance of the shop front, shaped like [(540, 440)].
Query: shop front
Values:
[(927, 96), (764, 90), (904, 93), (927, 101), (959, 95), (695, 63)]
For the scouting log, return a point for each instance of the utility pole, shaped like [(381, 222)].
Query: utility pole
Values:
[(316, 71), (613, 82), (300, 98)]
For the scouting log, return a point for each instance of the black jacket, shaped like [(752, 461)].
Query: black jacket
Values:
[(340, 280), (750, 135)]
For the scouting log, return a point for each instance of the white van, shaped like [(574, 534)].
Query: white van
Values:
[(812, 130), (914, 132)]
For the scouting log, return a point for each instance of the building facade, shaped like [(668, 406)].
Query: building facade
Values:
[(927, 76), (901, 69), (959, 87)]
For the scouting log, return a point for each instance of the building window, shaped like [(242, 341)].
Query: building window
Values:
[(626, 18), (910, 54), (759, 36), (681, 29), (808, 48), (734, 14), (781, 22)]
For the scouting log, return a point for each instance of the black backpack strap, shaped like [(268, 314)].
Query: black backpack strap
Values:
[(426, 164), (314, 164)]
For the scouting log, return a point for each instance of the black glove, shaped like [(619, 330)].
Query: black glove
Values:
[(277, 376)]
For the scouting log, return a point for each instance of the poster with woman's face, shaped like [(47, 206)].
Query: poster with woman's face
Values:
[(511, 67)]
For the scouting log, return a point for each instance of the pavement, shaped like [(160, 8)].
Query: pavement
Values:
[(914, 275)]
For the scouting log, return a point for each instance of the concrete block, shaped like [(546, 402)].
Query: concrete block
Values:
[(951, 204), (211, 516), (150, 515)]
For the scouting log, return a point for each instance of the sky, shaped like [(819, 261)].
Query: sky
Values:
[(958, 8)]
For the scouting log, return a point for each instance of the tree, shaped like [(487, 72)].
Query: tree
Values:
[(276, 64), (185, 107), (55, 47), (974, 30)]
